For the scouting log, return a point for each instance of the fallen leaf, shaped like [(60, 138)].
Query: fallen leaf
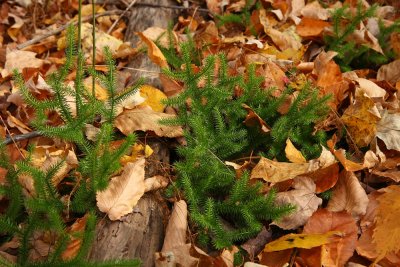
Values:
[(154, 52), (123, 192), (255, 245), (309, 27), (293, 154), (170, 87), (75, 243), (389, 72), (340, 154), (325, 178), (370, 88), (252, 119), (175, 234), (348, 195), (387, 230), (388, 129), (20, 60), (285, 39), (314, 10), (300, 241), (145, 119), (305, 200), (153, 98), (155, 182), (338, 252), (272, 171), (158, 34)]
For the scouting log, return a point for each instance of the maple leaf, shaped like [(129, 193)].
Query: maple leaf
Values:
[(388, 214)]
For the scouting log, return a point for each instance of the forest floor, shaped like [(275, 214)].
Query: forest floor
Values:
[(347, 199)]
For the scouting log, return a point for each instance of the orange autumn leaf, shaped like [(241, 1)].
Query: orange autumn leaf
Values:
[(252, 119), (154, 52), (309, 27), (338, 252), (75, 243)]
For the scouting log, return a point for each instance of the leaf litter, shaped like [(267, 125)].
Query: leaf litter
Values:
[(358, 168)]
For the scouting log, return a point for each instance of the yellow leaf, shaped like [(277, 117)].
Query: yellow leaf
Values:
[(153, 97), (300, 241), (292, 154), (99, 91), (387, 231)]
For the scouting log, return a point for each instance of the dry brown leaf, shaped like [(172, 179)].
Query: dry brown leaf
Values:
[(145, 119), (154, 52), (158, 34), (364, 37), (255, 245), (123, 192), (325, 178), (305, 200), (340, 154), (389, 72), (75, 243), (387, 230), (216, 6), (252, 119), (170, 87), (388, 129), (365, 245), (20, 60), (293, 154), (314, 10), (338, 252), (285, 39), (348, 195), (155, 182), (175, 234), (370, 88)]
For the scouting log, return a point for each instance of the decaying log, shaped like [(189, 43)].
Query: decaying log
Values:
[(141, 233)]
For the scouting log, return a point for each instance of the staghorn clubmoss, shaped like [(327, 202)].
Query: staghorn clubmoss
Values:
[(45, 210), (224, 208)]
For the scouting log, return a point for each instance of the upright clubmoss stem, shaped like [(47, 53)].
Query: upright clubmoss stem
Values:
[(94, 43)]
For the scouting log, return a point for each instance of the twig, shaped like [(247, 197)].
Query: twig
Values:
[(12, 140), (20, 137), (119, 18), (62, 28)]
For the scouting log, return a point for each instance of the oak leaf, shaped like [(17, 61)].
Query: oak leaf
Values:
[(123, 192), (388, 213)]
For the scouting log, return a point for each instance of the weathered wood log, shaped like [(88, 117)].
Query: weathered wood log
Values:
[(141, 18), (141, 233)]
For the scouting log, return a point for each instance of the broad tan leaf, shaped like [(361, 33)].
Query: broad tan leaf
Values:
[(293, 154), (300, 241), (338, 252), (155, 182), (305, 200), (387, 231), (348, 195), (175, 234), (370, 88), (272, 171), (285, 39), (388, 130), (145, 119), (20, 60), (315, 11), (123, 192), (389, 72), (309, 27)]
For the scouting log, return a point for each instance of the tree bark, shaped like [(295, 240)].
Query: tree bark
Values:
[(141, 233), (141, 18)]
